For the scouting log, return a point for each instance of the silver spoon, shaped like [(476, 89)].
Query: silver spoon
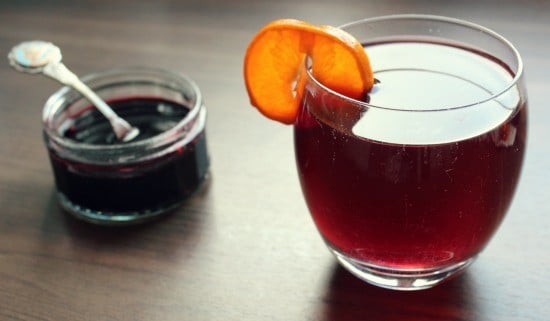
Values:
[(44, 57)]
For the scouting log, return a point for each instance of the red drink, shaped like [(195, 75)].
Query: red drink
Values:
[(422, 187)]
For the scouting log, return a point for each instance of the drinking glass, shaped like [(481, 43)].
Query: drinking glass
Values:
[(407, 186)]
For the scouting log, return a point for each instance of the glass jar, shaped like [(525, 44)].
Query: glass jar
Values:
[(105, 181)]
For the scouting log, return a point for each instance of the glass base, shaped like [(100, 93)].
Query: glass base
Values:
[(400, 279), (108, 218)]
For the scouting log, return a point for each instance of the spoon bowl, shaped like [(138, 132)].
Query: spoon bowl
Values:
[(37, 56)]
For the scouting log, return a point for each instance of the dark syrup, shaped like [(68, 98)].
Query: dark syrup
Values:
[(135, 187)]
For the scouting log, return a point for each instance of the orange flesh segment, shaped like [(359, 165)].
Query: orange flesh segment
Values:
[(275, 58)]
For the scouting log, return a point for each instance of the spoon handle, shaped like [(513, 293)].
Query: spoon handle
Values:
[(61, 73)]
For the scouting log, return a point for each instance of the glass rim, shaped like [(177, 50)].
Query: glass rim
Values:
[(55, 102), (436, 18)]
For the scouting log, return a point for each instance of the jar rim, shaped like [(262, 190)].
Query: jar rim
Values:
[(55, 101)]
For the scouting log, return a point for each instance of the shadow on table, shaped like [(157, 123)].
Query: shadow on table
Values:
[(349, 298)]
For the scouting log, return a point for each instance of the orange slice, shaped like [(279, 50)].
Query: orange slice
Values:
[(275, 58)]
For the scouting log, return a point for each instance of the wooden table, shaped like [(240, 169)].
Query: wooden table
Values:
[(244, 248)]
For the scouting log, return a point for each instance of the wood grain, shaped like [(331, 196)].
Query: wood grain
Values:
[(244, 248)]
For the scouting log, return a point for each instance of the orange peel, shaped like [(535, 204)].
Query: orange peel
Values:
[(275, 60)]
